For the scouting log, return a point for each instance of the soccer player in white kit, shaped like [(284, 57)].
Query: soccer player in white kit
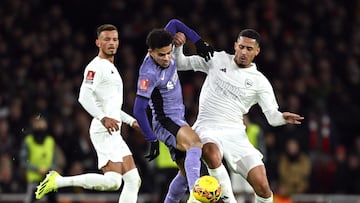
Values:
[(233, 85), (101, 95)]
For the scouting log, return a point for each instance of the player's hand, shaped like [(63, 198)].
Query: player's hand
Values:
[(292, 118), (179, 39), (154, 150), (204, 49), (110, 124)]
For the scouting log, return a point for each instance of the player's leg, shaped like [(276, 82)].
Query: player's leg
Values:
[(177, 189), (213, 160), (110, 181), (213, 137), (114, 173), (252, 167), (123, 163), (189, 141), (242, 189), (131, 178), (258, 179), (178, 185), (183, 138), (112, 148)]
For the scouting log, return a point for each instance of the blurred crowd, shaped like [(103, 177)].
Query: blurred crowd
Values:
[(310, 53)]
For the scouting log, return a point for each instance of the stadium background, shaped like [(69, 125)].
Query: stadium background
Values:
[(310, 53)]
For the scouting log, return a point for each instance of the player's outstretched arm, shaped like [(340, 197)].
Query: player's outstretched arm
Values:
[(175, 25), (202, 48)]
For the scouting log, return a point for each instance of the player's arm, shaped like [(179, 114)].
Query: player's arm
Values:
[(185, 63), (268, 103), (126, 118), (202, 48), (140, 114), (87, 100), (175, 25), (277, 118)]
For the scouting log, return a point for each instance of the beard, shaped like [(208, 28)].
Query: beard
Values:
[(239, 62), (110, 53)]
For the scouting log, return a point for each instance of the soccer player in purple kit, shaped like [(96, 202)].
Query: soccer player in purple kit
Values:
[(159, 87)]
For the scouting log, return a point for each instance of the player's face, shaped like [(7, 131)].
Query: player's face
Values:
[(162, 56), (245, 51), (108, 43)]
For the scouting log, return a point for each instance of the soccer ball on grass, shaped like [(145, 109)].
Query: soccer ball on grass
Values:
[(207, 189)]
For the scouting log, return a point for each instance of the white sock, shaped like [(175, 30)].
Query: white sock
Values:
[(132, 182), (259, 199), (222, 175), (240, 199), (108, 182)]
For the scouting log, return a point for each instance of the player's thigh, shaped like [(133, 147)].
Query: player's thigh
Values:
[(126, 165), (211, 155), (186, 138), (258, 179), (250, 166)]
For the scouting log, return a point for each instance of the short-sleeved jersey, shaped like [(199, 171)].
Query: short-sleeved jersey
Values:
[(103, 78), (162, 86), (228, 91)]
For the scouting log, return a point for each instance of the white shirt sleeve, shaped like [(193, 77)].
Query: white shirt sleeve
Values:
[(185, 63), (86, 99), (126, 118), (275, 117)]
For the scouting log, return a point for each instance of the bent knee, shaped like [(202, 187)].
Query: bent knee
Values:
[(262, 189), (114, 179), (132, 178)]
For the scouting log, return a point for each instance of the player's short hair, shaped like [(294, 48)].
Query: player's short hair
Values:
[(158, 38), (251, 33), (105, 27)]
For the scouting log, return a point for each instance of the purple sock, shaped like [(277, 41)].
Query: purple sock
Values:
[(177, 189), (192, 165)]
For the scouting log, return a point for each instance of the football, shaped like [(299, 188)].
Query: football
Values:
[(207, 189)]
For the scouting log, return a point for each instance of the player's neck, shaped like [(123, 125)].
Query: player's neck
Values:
[(109, 58)]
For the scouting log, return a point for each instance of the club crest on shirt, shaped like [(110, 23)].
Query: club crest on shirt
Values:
[(169, 85), (89, 79), (144, 85), (248, 83)]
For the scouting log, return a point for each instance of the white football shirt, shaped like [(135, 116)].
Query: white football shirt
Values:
[(101, 93), (228, 91)]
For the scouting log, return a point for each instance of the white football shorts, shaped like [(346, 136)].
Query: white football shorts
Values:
[(234, 145), (109, 147)]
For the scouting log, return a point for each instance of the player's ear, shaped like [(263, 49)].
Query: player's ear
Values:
[(150, 51), (97, 43), (257, 51)]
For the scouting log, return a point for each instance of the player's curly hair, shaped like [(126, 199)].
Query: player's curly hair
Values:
[(158, 38)]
